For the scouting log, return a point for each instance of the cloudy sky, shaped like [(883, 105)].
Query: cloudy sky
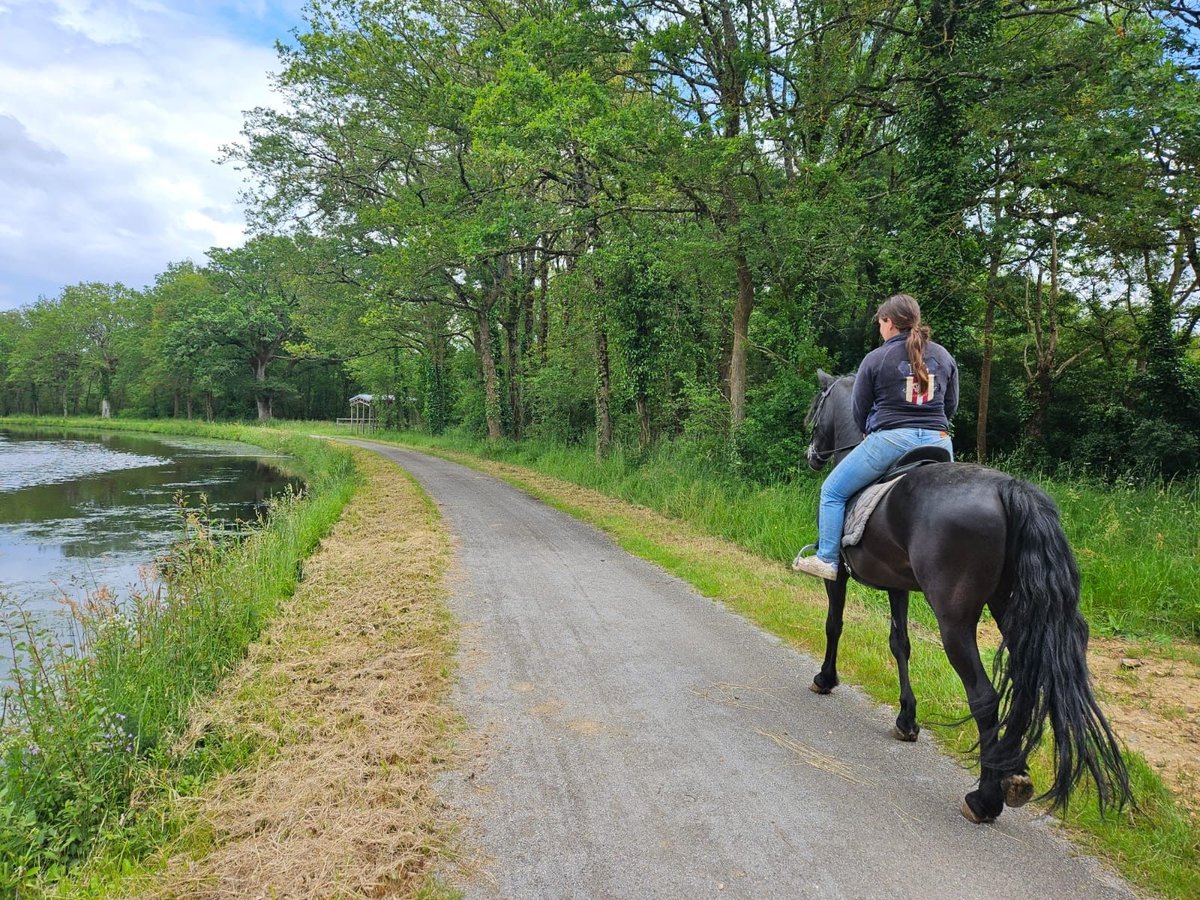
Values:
[(112, 115)]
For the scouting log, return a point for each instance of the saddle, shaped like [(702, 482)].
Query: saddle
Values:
[(862, 504)]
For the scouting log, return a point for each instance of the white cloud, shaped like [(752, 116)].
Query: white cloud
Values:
[(102, 23), (112, 115)]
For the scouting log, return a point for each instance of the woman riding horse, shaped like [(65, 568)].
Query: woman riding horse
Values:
[(904, 395), (967, 536)]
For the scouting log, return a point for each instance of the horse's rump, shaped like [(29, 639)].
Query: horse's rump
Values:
[(936, 517)]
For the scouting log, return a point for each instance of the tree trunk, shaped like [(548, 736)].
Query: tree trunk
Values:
[(741, 335), (528, 287), (1037, 393), (435, 411), (526, 343), (262, 399), (487, 361), (732, 94), (604, 431), (513, 365), (543, 311), (1043, 317), (106, 380), (643, 415), (985, 381), (985, 366)]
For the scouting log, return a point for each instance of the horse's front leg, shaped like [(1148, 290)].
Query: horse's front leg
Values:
[(826, 680), (906, 728)]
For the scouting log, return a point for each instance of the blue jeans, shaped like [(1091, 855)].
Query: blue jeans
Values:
[(866, 462)]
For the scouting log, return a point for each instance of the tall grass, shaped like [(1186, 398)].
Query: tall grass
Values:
[(91, 712), (1138, 546), (1139, 553)]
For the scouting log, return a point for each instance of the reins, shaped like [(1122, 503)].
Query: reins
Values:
[(829, 453)]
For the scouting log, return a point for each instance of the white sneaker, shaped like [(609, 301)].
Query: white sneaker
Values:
[(814, 565)]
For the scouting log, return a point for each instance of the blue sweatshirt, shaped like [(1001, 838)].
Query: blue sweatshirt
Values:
[(885, 392)]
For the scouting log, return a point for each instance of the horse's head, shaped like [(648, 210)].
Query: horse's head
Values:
[(831, 421)]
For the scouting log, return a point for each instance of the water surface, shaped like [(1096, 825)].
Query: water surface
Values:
[(80, 510)]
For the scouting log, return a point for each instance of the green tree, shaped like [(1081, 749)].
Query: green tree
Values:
[(172, 361), (254, 308), (11, 325), (104, 316), (49, 355)]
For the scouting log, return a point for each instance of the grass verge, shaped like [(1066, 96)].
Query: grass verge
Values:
[(88, 737), (339, 722), (1156, 846)]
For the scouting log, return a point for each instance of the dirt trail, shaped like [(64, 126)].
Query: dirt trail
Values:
[(1152, 696)]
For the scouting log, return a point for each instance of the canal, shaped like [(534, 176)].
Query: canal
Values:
[(81, 510)]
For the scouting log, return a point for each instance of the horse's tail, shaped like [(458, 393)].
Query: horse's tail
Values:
[(1041, 670)]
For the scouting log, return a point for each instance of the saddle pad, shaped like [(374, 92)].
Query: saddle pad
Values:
[(860, 508)]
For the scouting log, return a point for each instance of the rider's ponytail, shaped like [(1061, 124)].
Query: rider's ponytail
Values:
[(905, 313)]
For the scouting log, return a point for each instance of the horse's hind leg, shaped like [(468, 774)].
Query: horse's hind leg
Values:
[(1017, 786), (906, 728), (987, 802), (827, 679)]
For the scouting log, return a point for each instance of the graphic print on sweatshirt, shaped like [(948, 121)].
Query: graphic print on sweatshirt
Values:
[(912, 390)]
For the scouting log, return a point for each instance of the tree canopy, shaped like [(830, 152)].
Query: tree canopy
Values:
[(629, 222)]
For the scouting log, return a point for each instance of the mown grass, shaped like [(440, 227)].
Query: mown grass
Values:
[(90, 720), (1155, 845), (343, 699)]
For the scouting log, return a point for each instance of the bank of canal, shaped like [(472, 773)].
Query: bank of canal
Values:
[(82, 734)]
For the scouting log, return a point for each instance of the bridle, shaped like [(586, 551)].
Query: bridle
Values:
[(812, 453)]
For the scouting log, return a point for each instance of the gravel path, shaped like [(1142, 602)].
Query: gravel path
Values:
[(638, 740)]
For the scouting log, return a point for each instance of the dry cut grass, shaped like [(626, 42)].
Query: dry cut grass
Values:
[(347, 694)]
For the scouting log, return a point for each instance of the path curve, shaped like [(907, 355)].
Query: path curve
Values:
[(640, 740)]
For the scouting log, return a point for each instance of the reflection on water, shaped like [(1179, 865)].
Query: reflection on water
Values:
[(80, 511), (24, 461)]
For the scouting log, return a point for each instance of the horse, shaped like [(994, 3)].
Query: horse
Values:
[(965, 536)]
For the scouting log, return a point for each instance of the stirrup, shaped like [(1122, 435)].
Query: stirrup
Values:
[(806, 550)]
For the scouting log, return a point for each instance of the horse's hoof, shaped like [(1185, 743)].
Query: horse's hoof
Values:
[(1018, 789), (823, 683), (901, 735), (970, 816)]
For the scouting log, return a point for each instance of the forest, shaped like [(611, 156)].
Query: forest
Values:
[(638, 222)]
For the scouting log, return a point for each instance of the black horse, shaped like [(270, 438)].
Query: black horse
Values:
[(965, 535)]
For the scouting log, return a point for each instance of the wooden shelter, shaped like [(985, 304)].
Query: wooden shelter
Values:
[(364, 412)]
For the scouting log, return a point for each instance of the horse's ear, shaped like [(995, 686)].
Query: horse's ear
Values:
[(825, 378)]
